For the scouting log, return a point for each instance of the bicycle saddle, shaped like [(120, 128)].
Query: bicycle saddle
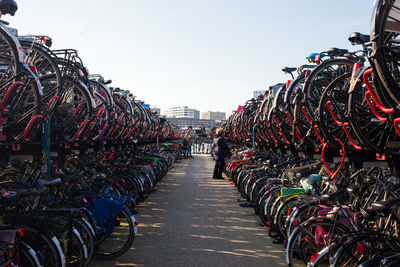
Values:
[(332, 197), (336, 51), (8, 7), (353, 189), (386, 206), (358, 38), (288, 69)]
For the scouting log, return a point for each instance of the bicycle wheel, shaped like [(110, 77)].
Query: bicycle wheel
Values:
[(273, 194), (46, 245), (39, 57), (50, 89), (282, 213), (70, 238), (22, 104), (332, 110), (131, 186), (121, 122), (320, 78), (385, 43), (87, 234), (72, 115), (121, 238), (9, 61), (78, 253), (377, 135), (300, 215), (28, 256), (363, 247), (307, 106), (310, 237)]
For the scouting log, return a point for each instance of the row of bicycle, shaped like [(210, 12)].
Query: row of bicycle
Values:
[(340, 100), (350, 221), (85, 211), (38, 84), (63, 207), (323, 171)]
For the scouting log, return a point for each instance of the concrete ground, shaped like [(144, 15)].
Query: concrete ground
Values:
[(194, 220)]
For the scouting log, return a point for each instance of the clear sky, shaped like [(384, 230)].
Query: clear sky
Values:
[(206, 54)]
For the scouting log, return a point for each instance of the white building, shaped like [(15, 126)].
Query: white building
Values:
[(182, 112), (213, 115), (258, 92), (184, 123)]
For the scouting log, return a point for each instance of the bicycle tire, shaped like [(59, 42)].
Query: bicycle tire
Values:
[(28, 256), (362, 245), (384, 58), (8, 57), (109, 254), (376, 135), (297, 233)]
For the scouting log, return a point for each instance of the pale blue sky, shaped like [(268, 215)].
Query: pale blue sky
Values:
[(207, 54)]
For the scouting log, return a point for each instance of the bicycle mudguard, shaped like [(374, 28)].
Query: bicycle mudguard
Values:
[(31, 252), (320, 254), (106, 212)]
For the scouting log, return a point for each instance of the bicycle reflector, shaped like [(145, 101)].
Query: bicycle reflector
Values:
[(288, 83), (21, 232), (314, 256), (353, 81), (289, 211), (34, 69)]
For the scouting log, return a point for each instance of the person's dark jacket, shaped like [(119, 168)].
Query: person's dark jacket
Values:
[(221, 149)]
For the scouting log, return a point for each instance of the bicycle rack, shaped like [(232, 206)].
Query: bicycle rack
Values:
[(7, 95)]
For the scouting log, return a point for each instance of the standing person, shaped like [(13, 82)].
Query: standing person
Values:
[(221, 151), (188, 137)]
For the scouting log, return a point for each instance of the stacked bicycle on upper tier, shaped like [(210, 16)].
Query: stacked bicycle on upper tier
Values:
[(323, 170), (77, 156)]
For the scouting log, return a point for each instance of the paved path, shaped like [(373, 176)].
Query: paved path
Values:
[(193, 220)]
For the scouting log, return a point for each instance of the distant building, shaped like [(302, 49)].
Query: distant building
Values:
[(182, 112), (158, 110), (213, 115), (195, 123), (258, 92)]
